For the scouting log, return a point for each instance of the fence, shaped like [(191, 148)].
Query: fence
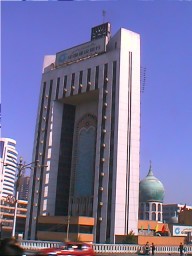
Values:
[(104, 248)]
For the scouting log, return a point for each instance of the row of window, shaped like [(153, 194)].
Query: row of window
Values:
[(80, 81), (11, 144), (8, 184), (63, 228), (155, 207), (170, 208), (12, 152), (154, 216)]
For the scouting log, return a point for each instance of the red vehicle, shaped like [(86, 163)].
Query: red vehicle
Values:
[(70, 249)]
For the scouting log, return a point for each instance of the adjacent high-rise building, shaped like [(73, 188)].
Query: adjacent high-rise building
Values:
[(24, 187), (88, 134), (8, 167)]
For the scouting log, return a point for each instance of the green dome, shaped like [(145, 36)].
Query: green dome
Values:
[(151, 189)]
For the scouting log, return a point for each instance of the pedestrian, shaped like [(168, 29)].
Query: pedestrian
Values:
[(180, 249), (153, 248), (9, 247), (147, 248)]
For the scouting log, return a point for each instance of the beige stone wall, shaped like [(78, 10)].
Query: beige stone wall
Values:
[(157, 240), (160, 240)]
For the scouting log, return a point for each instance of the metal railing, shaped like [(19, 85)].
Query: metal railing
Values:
[(36, 245), (105, 248)]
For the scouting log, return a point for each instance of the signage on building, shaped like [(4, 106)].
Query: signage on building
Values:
[(101, 31), (181, 230), (82, 51)]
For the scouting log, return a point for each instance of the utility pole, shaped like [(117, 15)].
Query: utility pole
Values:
[(21, 167)]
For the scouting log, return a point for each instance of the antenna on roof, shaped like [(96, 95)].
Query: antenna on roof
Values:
[(103, 14), (143, 79)]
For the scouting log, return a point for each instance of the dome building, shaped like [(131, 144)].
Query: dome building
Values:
[(151, 195)]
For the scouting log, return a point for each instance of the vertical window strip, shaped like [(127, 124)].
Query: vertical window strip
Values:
[(44, 147), (65, 81), (101, 156), (128, 143), (109, 210), (64, 166), (72, 82), (80, 81), (105, 75), (81, 77), (57, 89), (97, 77), (88, 79), (64, 85), (88, 75), (36, 156), (73, 79)]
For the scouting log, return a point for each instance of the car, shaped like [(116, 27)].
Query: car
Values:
[(70, 249)]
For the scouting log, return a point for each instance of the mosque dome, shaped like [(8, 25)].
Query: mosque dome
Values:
[(151, 189)]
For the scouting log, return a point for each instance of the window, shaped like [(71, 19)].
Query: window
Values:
[(153, 207), (11, 152), (73, 79), (96, 77), (153, 216), (11, 143)]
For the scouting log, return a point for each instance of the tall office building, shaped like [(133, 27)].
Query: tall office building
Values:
[(8, 164), (24, 187), (88, 133)]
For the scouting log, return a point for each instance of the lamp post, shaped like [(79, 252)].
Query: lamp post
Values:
[(20, 168), (68, 222)]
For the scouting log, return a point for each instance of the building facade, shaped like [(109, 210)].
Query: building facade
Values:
[(24, 187), (88, 133), (7, 211), (185, 216), (171, 211), (8, 167)]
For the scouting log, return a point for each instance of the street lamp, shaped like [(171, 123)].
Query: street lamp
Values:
[(20, 168), (68, 222)]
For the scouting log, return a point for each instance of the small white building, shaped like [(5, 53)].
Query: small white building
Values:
[(8, 167)]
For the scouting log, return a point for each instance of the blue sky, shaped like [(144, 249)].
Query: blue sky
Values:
[(31, 30)]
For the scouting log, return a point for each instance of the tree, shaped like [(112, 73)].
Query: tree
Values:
[(130, 238)]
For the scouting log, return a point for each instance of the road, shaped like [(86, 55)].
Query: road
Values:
[(120, 254)]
